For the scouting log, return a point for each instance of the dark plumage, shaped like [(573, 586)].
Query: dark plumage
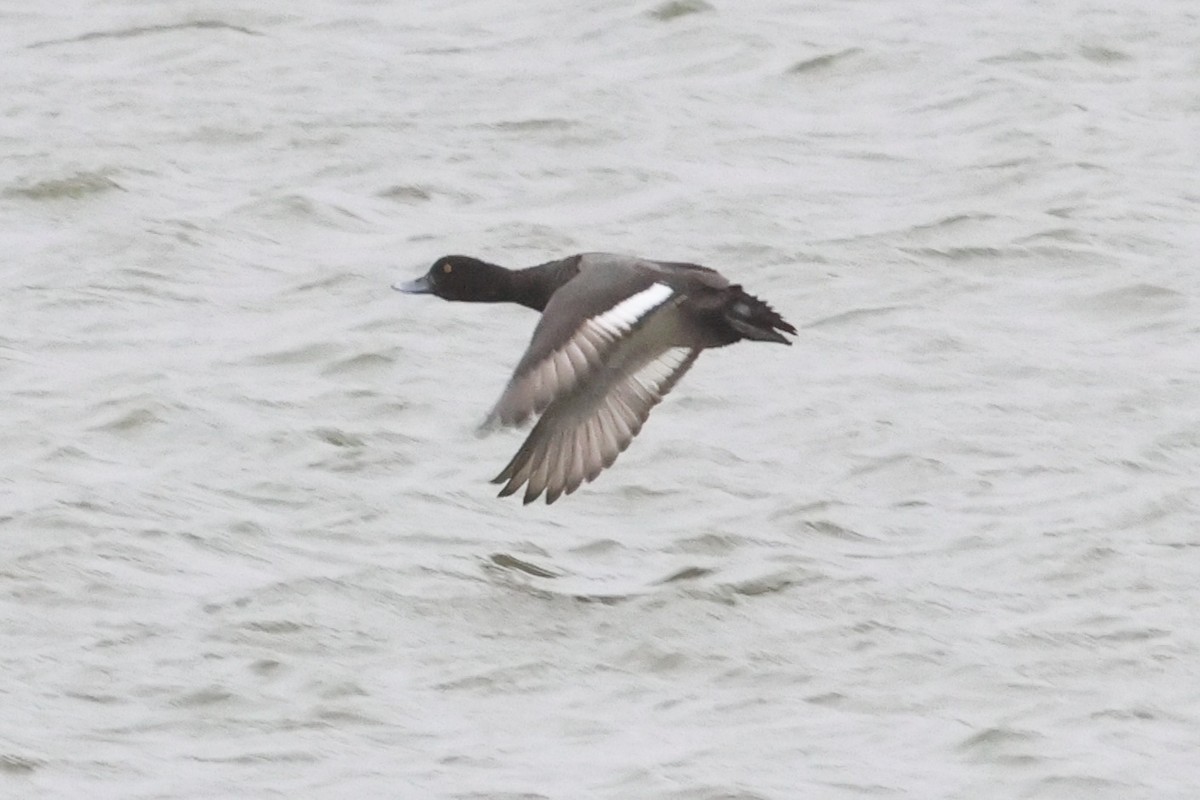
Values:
[(616, 334)]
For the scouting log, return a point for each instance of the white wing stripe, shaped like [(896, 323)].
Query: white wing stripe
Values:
[(561, 370), (625, 314)]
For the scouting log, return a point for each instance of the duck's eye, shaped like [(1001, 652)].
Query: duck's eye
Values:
[(447, 268)]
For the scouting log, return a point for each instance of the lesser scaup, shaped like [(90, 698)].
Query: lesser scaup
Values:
[(616, 334)]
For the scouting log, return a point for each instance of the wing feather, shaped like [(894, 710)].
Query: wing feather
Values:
[(582, 433), (594, 383), (556, 362)]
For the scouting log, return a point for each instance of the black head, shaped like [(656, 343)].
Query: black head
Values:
[(461, 278)]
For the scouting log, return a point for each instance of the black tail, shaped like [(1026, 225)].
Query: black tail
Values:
[(755, 319)]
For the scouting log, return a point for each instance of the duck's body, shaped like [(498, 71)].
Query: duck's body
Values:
[(616, 334)]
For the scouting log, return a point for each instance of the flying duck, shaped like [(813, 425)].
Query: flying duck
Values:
[(616, 334)]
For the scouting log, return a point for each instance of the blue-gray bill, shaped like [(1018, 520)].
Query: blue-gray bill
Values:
[(419, 286)]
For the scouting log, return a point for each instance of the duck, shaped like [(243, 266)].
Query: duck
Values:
[(616, 334)]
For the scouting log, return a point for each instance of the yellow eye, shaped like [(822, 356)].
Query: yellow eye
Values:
[(447, 268)]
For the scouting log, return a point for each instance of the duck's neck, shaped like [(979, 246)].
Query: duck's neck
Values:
[(533, 286), (496, 284)]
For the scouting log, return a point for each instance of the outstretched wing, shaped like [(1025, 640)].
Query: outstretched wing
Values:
[(583, 326), (583, 430)]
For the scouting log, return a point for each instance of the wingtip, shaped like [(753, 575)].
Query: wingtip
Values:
[(530, 495)]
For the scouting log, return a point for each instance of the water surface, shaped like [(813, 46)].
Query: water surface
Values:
[(944, 546)]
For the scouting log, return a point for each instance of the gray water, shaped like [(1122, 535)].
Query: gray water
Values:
[(945, 546)]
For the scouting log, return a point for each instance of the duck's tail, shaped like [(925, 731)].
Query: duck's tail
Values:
[(755, 319)]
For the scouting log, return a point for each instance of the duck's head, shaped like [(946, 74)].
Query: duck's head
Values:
[(460, 278)]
